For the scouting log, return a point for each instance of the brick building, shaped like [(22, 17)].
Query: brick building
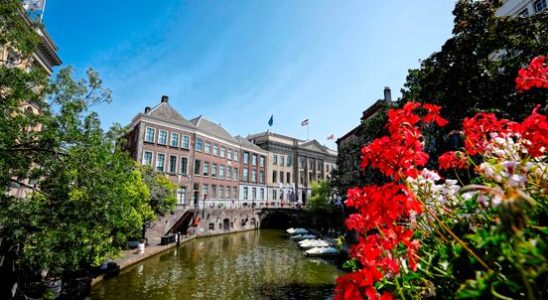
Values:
[(210, 167)]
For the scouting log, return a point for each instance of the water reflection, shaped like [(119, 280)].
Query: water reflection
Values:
[(251, 265)]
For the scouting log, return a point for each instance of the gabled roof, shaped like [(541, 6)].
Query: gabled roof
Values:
[(245, 143), (209, 127), (166, 112), (314, 146)]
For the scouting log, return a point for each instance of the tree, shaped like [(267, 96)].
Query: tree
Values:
[(88, 196), (162, 194), (319, 201), (475, 69)]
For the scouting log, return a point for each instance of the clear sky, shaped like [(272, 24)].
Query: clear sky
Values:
[(239, 62)]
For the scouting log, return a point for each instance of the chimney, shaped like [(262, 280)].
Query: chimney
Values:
[(165, 99), (147, 110), (387, 94)]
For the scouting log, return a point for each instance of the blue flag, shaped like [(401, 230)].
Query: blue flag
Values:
[(271, 121)]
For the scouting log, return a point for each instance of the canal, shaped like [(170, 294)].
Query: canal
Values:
[(261, 264)]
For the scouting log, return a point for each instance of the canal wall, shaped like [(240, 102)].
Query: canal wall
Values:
[(204, 222)]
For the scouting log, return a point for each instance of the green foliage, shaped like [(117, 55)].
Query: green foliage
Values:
[(319, 201), (162, 191), (475, 69), (86, 196)]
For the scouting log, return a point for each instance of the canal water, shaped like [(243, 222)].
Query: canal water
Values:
[(261, 264)]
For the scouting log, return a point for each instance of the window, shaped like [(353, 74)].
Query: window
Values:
[(235, 174), (147, 158), (181, 195), (214, 170), (206, 169), (235, 192), (254, 160), (254, 193), (162, 137), (221, 192), (221, 171), (246, 158), (253, 176), (301, 162), (288, 177), (174, 142), (282, 160), (184, 165), (211, 226), (223, 151), (213, 192), (274, 194), (229, 154), (524, 13), (281, 177), (262, 194), (540, 5), (261, 162), (246, 175), (228, 192), (204, 190), (228, 173), (289, 160), (160, 160), (185, 142), (246, 193), (275, 159), (274, 176), (207, 148), (172, 164), (216, 150), (197, 166), (261, 177), (149, 135), (199, 145), (236, 155)]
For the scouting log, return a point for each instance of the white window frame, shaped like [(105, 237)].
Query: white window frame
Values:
[(542, 3), (223, 151), (169, 164), (196, 145), (181, 165), (156, 164), (153, 136), (207, 148), (171, 139), (167, 136), (183, 136), (151, 158)]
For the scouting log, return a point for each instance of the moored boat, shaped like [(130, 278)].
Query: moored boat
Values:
[(322, 251)]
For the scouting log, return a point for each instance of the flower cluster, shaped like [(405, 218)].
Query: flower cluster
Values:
[(384, 212), (453, 160), (534, 76)]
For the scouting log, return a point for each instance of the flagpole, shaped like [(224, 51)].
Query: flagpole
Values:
[(308, 131)]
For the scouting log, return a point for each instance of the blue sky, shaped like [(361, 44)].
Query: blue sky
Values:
[(239, 62)]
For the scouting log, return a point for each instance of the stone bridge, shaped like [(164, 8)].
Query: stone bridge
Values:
[(282, 218), (217, 221)]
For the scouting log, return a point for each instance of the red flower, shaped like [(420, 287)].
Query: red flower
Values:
[(453, 160), (433, 115), (535, 75), (535, 129)]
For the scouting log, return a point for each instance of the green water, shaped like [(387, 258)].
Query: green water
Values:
[(250, 265)]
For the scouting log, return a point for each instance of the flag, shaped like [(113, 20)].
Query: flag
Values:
[(304, 123), (271, 121), (331, 137)]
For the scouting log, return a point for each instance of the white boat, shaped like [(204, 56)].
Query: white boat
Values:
[(322, 251), (299, 237), (296, 231), (311, 243)]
